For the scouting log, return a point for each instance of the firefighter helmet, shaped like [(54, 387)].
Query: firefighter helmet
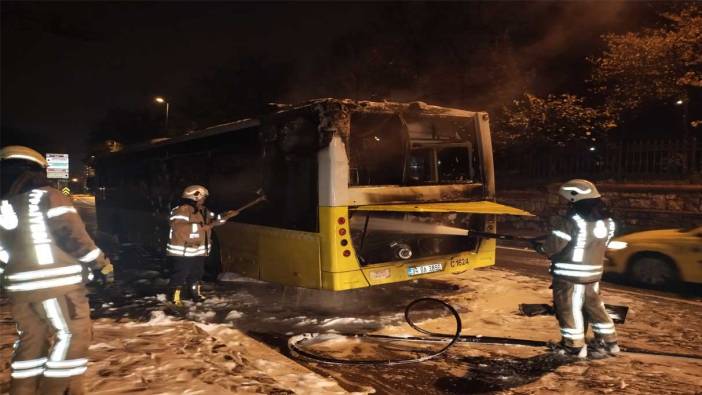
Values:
[(195, 192), (578, 189), (23, 153)]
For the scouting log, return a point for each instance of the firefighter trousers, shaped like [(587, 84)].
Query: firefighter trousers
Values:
[(51, 353), (576, 306), (187, 270)]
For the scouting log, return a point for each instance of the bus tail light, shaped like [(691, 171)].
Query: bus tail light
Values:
[(342, 231), (347, 253), (341, 220)]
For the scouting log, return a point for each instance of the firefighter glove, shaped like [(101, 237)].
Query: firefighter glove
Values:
[(108, 272)]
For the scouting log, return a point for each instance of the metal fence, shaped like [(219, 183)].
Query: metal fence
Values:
[(627, 160)]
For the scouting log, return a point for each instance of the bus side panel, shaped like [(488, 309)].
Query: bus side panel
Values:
[(277, 255), (290, 258), (238, 249)]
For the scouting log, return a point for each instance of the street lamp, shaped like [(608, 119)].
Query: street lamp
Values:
[(161, 100), (688, 138)]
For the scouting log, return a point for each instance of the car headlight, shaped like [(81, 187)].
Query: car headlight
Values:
[(617, 245)]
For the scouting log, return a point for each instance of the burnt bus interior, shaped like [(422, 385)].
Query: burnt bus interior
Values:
[(408, 149), (137, 187), (383, 237)]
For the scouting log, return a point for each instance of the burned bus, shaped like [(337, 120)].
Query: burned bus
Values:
[(358, 193)]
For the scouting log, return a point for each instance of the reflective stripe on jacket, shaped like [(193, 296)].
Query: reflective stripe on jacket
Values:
[(44, 243), (576, 247), (187, 236)]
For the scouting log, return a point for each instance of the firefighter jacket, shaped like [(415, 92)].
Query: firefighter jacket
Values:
[(44, 247), (576, 247), (188, 235)]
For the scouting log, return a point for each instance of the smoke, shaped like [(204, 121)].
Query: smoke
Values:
[(471, 55), (572, 32)]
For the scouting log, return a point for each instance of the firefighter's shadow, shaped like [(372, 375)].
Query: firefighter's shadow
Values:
[(497, 373)]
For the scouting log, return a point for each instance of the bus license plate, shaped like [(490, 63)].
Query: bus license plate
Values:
[(436, 267)]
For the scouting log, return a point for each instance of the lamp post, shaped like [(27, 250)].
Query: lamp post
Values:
[(689, 139), (161, 100)]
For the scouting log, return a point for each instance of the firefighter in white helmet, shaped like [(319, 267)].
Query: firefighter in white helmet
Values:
[(190, 241), (45, 257), (576, 247)]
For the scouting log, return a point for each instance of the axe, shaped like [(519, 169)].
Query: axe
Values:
[(261, 197)]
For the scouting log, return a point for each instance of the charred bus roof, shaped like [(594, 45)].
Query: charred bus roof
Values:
[(330, 111)]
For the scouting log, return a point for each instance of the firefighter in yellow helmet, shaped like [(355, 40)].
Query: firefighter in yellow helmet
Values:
[(576, 247), (190, 241), (45, 256)]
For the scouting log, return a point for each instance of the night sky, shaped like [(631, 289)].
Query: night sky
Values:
[(65, 65)]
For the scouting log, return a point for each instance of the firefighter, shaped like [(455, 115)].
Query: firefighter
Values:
[(46, 256), (576, 248), (190, 241)]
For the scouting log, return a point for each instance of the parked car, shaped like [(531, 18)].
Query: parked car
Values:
[(658, 257)]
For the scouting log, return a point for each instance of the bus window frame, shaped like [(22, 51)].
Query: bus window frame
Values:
[(435, 147)]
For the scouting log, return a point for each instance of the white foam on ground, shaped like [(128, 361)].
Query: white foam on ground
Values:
[(202, 316), (158, 318), (233, 315), (346, 321)]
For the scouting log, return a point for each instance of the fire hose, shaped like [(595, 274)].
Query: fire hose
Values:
[(296, 343)]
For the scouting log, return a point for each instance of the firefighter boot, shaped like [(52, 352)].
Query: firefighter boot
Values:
[(176, 296), (602, 349), (195, 289), (569, 353)]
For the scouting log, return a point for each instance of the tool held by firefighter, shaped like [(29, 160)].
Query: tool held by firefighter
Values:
[(261, 198), (534, 242), (46, 257)]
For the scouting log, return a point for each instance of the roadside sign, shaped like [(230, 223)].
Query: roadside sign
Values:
[(58, 166), (66, 191)]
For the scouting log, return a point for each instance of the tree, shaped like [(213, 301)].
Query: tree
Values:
[(653, 66), (554, 121)]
